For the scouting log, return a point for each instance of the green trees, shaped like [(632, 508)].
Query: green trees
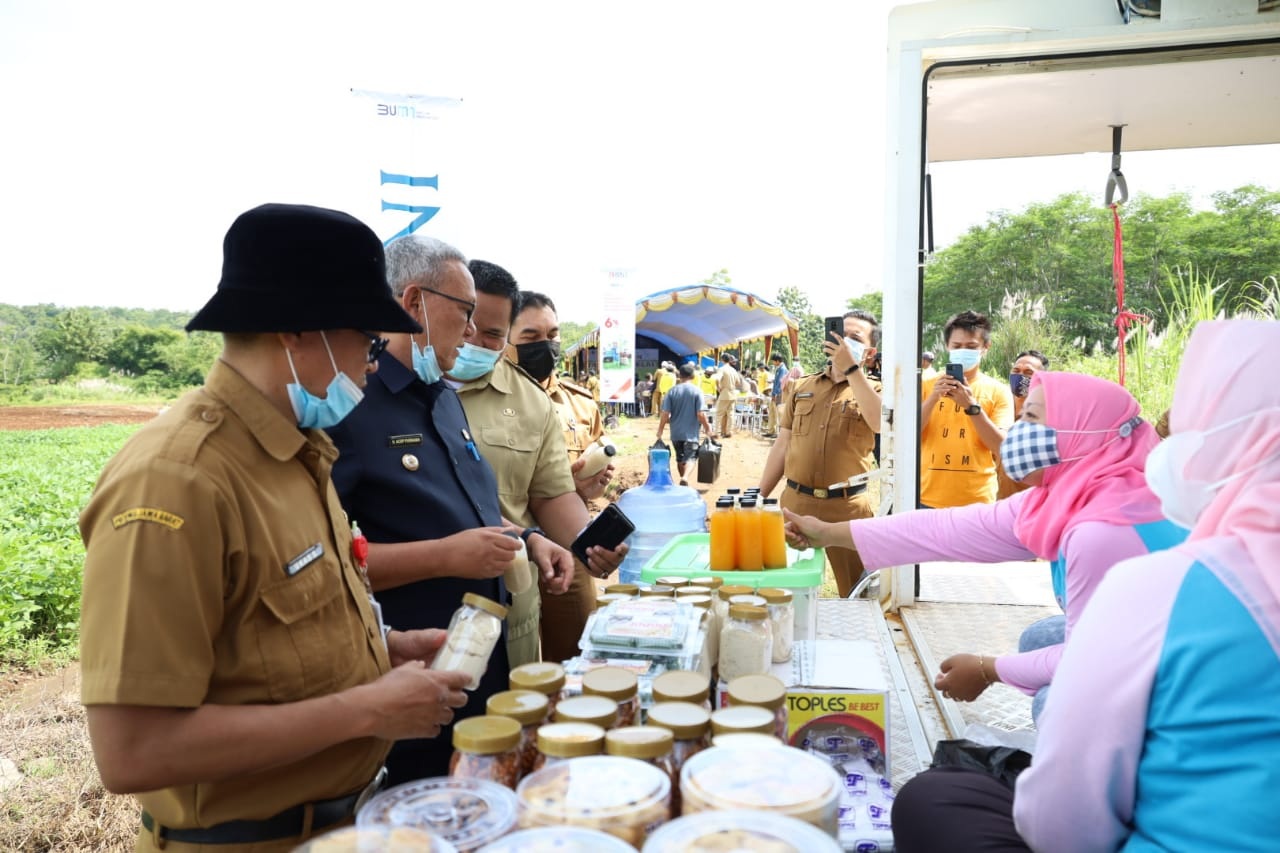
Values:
[(796, 302)]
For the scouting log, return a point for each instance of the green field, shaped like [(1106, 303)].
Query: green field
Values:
[(45, 478)]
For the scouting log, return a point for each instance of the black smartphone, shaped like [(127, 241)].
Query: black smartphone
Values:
[(956, 372), (832, 324), (608, 530)]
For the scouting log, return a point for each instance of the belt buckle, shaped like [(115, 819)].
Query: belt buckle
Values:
[(370, 789), (819, 493)]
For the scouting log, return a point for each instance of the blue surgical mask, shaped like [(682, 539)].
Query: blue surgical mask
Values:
[(474, 362), (966, 358), (339, 399), (424, 360)]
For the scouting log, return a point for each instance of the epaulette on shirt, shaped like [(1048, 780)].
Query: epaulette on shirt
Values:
[(576, 389), (526, 374)]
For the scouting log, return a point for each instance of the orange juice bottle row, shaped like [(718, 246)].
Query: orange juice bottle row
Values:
[(746, 536)]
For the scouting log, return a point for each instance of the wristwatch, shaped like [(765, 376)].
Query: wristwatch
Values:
[(975, 409), (851, 370)]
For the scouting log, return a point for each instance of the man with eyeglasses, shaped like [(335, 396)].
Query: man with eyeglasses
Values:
[(410, 472), (235, 675)]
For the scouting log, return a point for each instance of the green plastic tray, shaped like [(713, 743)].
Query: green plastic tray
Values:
[(689, 555)]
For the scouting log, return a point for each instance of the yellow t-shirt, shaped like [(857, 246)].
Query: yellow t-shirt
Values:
[(667, 382), (956, 468)]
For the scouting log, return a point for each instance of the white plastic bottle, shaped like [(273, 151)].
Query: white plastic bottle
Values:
[(597, 457)]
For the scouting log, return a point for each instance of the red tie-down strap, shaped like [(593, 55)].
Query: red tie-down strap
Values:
[(1123, 318)]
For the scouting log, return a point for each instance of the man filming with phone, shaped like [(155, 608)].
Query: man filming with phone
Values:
[(963, 417)]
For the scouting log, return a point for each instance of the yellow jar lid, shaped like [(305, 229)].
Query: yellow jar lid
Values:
[(481, 603), (748, 613), (527, 707), (749, 599), (681, 686), (600, 710), (545, 677), (610, 597), (486, 735), (762, 690), (703, 601), (622, 588), (675, 582), (775, 595), (708, 580), (685, 720), (614, 682), (728, 591), (658, 589), (639, 741), (742, 718), (692, 589), (570, 740)]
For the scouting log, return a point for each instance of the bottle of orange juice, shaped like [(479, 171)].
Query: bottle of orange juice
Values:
[(773, 541), (750, 556), (724, 545)]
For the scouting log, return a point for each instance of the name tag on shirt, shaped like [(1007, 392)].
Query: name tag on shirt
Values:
[(304, 559), (404, 440), (805, 394)]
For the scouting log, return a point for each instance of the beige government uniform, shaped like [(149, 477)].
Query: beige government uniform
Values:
[(517, 430), (727, 383), (219, 571), (830, 442), (564, 616)]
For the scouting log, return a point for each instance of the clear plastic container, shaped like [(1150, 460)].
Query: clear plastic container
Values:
[(720, 602), (621, 796), (468, 813), (658, 590), (746, 642), (690, 725), (618, 684), (487, 748), (474, 631), (750, 599), (529, 709), (562, 741), (692, 589), (780, 781), (746, 740), (660, 511), (741, 832), (743, 718), (559, 839), (544, 677), (598, 710), (761, 691), (710, 581), (650, 744), (782, 621), (377, 839)]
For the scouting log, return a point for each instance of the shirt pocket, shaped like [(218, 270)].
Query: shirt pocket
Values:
[(802, 415), (510, 438), (298, 629)]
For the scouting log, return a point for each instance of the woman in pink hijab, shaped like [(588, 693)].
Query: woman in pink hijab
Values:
[(1080, 443), (1164, 728)]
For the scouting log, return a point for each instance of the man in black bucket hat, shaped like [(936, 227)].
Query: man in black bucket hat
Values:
[(235, 673)]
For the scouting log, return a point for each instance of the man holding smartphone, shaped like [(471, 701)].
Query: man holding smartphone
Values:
[(963, 417)]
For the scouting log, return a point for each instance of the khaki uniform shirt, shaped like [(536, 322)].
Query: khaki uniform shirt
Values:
[(579, 415), (219, 571), (728, 382), (518, 432), (830, 440)]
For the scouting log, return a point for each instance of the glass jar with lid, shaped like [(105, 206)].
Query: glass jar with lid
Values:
[(474, 631), (742, 719), (690, 725), (750, 599), (562, 741), (487, 748), (621, 796), (679, 685), (543, 677), (618, 684), (650, 744), (720, 601), (627, 589), (529, 709), (598, 710), (710, 632), (746, 643), (782, 620), (761, 691)]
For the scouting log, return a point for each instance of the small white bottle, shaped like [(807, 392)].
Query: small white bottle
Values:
[(597, 457)]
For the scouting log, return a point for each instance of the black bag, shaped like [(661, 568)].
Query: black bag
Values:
[(1001, 762), (708, 461)]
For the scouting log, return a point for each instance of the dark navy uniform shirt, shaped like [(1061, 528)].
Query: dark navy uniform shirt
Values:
[(406, 471)]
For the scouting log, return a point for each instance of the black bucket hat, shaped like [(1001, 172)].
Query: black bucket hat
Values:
[(296, 268)]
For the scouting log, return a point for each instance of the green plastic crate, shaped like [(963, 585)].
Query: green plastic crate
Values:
[(689, 555)]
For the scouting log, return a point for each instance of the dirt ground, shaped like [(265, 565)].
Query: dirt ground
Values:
[(56, 417)]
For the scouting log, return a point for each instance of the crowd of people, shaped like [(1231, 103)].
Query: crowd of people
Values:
[(269, 563)]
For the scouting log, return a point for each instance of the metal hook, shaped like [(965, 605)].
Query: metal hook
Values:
[(1116, 178)]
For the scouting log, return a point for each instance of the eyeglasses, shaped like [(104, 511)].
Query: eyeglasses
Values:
[(470, 305), (377, 345)]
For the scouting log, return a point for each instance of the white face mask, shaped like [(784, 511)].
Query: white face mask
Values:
[(1182, 499), (856, 349)]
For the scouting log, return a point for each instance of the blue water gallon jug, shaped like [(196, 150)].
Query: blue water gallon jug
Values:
[(660, 510)]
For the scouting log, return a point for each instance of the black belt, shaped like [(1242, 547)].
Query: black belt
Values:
[(847, 491), (286, 824)]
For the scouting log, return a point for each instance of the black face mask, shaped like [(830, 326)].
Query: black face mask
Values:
[(539, 358)]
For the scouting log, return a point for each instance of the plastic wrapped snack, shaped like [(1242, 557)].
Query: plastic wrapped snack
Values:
[(651, 622), (468, 813), (377, 839), (740, 832), (474, 631), (621, 796), (780, 781), (559, 839)]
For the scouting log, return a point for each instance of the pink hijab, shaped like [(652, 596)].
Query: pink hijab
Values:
[(1108, 484), (1228, 373)]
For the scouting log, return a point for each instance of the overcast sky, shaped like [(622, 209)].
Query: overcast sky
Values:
[(667, 138)]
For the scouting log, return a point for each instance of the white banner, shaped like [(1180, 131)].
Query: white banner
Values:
[(617, 355), (408, 143)]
